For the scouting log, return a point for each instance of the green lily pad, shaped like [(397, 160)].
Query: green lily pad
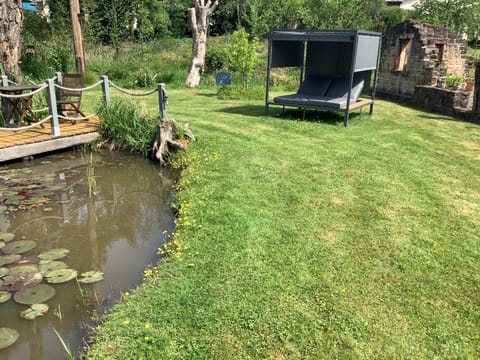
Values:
[(8, 259), (34, 311), (27, 260), (23, 269), (34, 295), (61, 276), (4, 296), (4, 271), (6, 237), (47, 266), (90, 277), (7, 337), (54, 254), (19, 247)]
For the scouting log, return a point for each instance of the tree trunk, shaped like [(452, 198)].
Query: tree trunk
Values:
[(11, 23), (199, 21)]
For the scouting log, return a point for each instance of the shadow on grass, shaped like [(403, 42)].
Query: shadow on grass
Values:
[(324, 117)]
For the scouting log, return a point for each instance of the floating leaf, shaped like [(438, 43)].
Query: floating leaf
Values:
[(23, 269), (34, 295), (7, 337), (34, 311), (47, 266), (26, 261), (8, 259), (4, 296), (61, 276), (4, 271), (54, 254), (90, 277), (19, 247), (17, 282), (4, 236)]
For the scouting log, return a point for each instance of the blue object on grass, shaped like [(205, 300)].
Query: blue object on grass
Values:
[(223, 78)]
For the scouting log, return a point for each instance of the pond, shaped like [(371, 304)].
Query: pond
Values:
[(112, 211)]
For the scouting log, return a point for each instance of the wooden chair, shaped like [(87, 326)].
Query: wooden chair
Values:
[(69, 101)]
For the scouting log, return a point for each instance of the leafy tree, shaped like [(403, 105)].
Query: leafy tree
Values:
[(461, 16), (242, 55)]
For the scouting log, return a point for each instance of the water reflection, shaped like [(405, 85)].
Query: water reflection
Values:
[(116, 231)]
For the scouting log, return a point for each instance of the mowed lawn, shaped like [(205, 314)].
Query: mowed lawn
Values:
[(306, 240)]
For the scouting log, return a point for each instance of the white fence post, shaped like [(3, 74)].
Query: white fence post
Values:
[(106, 90), (4, 80), (52, 107)]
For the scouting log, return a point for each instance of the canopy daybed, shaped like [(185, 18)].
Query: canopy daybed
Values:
[(336, 67)]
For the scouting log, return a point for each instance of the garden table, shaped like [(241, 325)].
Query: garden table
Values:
[(20, 106)]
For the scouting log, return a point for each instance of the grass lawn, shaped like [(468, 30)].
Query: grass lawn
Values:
[(306, 240)]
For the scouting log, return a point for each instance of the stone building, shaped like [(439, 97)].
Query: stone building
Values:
[(416, 58), (416, 53)]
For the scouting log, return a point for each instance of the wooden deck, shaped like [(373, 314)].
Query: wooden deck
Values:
[(19, 144)]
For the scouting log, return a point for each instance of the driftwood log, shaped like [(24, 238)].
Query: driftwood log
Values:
[(167, 140)]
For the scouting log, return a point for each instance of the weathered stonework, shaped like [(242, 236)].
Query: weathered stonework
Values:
[(433, 53)]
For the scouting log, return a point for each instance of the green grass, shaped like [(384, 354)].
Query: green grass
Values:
[(306, 240)]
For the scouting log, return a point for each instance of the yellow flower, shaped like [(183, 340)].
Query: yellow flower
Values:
[(146, 338), (126, 293), (126, 322), (148, 326)]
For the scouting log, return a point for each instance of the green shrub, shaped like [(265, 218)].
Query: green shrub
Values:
[(453, 80), (242, 56), (124, 125)]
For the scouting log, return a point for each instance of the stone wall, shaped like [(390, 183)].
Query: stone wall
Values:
[(443, 101), (433, 53)]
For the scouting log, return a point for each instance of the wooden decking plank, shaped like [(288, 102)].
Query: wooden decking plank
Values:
[(37, 140)]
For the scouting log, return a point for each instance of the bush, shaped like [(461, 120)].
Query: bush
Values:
[(453, 80), (124, 125)]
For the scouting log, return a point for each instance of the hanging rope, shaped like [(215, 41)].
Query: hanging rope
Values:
[(25, 94), (79, 89), (76, 118), (131, 93), (27, 127)]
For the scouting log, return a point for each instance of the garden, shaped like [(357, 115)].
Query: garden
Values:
[(293, 239)]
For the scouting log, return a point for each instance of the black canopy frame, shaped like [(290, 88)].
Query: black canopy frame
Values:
[(337, 54)]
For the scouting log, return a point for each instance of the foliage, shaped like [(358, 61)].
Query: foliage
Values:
[(461, 16), (453, 80), (242, 55), (124, 125)]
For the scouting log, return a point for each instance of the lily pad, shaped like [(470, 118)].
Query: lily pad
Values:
[(34, 311), (26, 261), (6, 237), (34, 295), (61, 276), (90, 277), (8, 259), (54, 254), (17, 282), (7, 337), (4, 296), (3, 271), (19, 247), (23, 269), (47, 266)]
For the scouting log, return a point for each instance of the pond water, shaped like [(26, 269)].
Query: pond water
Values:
[(117, 230)]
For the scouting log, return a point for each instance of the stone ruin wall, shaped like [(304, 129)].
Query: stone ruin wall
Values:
[(427, 44)]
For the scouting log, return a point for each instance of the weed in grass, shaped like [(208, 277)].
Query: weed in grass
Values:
[(66, 348)]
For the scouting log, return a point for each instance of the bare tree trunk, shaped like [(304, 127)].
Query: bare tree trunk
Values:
[(199, 21), (11, 23)]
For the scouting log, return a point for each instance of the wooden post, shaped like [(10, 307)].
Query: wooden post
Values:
[(162, 100), (106, 90), (52, 108), (77, 36)]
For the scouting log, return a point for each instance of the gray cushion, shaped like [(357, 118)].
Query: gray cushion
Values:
[(315, 85), (295, 100), (339, 89)]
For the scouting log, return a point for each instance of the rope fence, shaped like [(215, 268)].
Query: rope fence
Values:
[(52, 87)]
